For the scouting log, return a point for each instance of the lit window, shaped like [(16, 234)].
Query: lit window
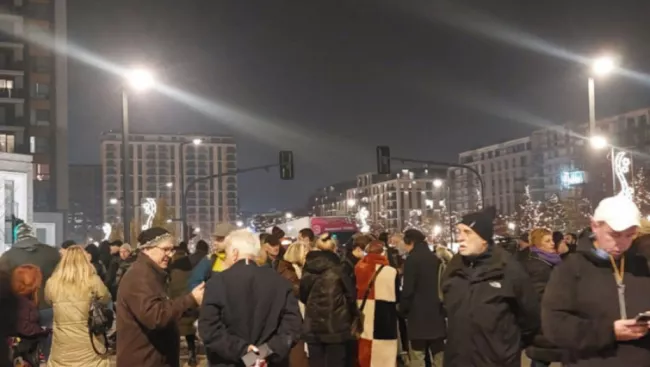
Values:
[(42, 171)]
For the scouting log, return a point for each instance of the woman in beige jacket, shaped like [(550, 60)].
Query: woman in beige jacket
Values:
[(70, 291)]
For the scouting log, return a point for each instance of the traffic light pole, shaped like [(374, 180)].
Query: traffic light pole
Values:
[(445, 164), (193, 183)]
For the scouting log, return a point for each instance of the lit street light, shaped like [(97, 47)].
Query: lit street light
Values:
[(139, 80), (288, 215), (112, 201), (598, 142), (197, 141), (240, 223), (169, 184), (603, 65), (352, 202), (437, 183), (511, 226)]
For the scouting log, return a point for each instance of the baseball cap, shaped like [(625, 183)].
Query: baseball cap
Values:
[(619, 212), (223, 229)]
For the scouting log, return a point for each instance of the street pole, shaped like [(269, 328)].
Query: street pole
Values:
[(449, 211), (445, 164), (181, 155), (193, 183), (592, 107), (126, 213)]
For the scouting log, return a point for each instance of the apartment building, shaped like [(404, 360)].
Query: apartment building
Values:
[(85, 215), (504, 168), (564, 163), (391, 200), (34, 94), (155, 165)]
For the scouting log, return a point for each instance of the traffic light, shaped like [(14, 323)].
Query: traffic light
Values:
[(383, 160), (286, 165)]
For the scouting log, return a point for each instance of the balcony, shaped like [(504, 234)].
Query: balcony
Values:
[(12, 95)]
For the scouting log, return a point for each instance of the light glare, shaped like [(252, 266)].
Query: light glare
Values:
[(140, 79), (603, 65), (598, 142)]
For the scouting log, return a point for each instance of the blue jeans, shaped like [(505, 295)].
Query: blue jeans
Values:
[(46, 317)]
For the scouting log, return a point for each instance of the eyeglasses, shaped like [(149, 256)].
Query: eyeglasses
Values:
[(167, 250)]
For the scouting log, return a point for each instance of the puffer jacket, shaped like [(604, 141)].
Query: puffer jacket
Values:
[(328, 295)]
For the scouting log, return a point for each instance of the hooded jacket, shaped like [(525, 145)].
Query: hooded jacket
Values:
[(330, 305), (581, 303), (492, 310), (30, 251)]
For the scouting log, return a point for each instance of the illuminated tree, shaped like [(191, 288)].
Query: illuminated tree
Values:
[(641, 191), (530, 213), (554, 215)]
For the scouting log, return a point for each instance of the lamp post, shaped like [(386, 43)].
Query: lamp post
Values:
[(139, 80), (181, 156), (601, 66)]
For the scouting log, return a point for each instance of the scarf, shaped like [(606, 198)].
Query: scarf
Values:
[(552, 258)]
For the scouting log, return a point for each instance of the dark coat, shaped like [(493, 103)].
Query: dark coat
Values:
[(580, 306), (27, 320), (30, 251), (539, 271), (492, 310), (146, 317), (297, 357), (122, 267), (196, 257), (179, 273), (329, 297), (8, 310), (419, 301), (248, 304)]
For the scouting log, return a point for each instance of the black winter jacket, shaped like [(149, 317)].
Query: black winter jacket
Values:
[(248, 304), (492, 310), (328, 294), (539, 271), (580, 306), (419, 301)]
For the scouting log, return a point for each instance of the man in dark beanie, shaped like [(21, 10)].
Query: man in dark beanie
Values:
[(419, 302), (492, 309)]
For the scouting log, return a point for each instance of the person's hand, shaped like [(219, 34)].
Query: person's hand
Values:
[(197, 293), (629, 330), (252, 348)]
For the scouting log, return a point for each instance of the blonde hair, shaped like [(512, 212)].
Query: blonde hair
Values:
[(537, 234), (72, 276), (325, 242), (296, 253)]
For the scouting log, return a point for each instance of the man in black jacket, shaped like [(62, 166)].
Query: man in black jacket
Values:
[(419, 301), (492, 309), (593, 297), (247, 308)]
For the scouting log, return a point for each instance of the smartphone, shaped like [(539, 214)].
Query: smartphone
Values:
[(250, 359), (642, 318)]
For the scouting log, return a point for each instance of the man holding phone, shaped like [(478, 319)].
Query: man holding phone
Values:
[(597, 301)]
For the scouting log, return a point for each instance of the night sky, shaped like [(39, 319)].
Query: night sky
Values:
[(330, 80)]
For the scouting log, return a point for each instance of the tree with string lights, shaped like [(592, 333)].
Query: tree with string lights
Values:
[(641, 191), (530, 212)]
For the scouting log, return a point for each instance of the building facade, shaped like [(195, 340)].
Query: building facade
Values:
[(16, 185), (504, 168), (85, 216), (155, 167), (34, 94), (331, 201)]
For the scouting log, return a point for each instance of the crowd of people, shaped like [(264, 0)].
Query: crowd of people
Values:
[(389, 300)]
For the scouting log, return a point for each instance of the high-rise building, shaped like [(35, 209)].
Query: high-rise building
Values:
[(504, 168), (155, 168), (34, 94), (85, 215)]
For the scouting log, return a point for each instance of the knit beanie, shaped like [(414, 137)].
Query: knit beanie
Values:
[(23, 231), (482, 222)]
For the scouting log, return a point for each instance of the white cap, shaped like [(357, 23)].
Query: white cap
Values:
[(619, 212)]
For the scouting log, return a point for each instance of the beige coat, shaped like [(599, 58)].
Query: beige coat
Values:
[(70, 342)]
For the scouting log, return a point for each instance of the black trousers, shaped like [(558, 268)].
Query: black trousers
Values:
[(331, 355)]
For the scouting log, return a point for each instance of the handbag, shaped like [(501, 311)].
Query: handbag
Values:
[(362, 318)]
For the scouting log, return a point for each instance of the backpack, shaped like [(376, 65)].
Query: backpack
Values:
[(100, 321)]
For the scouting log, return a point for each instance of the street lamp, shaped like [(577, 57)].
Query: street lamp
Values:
[(598, 142), (112, 201), (288, 215), (240, 223), (139, 80), (437, 183), (352, 202), (195, 142), (600, 66)]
